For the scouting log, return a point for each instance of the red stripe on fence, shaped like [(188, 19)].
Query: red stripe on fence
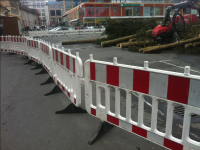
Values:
[(139, 131), (53, 52), (63, 88), (74, 101), (58, 83), (68, 94), (112, 75), (178, 89), (141, 81), (172, 145), (56, 55), (35, 44), (17, 39), (113, 120), (92, 71), (14, 39), (93, 111), (61, 58), (1, 49), (4, 38), (67, 61), (20, 40), (1, 38), (5, 50), (74, 71)]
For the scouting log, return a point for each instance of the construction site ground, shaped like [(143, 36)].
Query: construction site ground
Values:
[(28, 119)]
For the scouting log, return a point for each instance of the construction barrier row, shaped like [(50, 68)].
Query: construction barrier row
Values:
[(66, 70), (66, 32)]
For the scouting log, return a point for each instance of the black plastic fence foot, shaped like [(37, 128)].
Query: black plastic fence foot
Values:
[(103, 128), (49, 80), (71, 108), (56, 89), (43, 71), (30, 61), (39, 66)]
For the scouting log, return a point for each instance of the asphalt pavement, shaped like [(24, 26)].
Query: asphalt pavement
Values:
[(28, 119)]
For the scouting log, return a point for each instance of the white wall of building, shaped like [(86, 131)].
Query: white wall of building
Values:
[(28, 18), (41, 6)]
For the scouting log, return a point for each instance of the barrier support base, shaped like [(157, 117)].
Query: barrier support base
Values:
[(43, 71), (103, 128), (30, 61), (49, 80), (38, 66), (71, 108), (56, 89)]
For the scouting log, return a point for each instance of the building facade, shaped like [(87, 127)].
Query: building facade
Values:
[(92, 14), (13, 6), (30, 17), (55, 13), (42, 8)]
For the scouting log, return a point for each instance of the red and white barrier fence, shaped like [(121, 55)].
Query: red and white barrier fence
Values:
[(67, 71), (13, 44), (171, 87)]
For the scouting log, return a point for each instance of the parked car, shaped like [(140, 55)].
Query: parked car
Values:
[(93, 27), (61, 29), (37, 27)]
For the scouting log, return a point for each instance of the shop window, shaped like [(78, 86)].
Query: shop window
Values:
[(157, 11), (194, 11), (136, 11), (148, 11), (52, 12), (128, 11), (188, 11), (97, 12)]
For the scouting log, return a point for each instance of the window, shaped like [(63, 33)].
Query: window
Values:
[(58, 12), (128, 11), (42, 6), (44, 18), (43, 14), (56, 6), (38, 6), (38, 3), (34, 3), (39, 14), (43, 10), (50, 6), (34, 6), (59, 6), (53, 6), (136, 11), (39, 10), (148, 11), (52, 12), (68, 5), (157, 11)]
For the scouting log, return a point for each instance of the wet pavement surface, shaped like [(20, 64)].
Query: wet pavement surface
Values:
[(28, 119)]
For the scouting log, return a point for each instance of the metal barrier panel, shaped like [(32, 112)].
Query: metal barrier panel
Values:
[(170, 87), (46, 56), (33, 49), (67, 70)]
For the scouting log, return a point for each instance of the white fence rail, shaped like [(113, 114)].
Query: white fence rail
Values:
[(159, 85), (67, 32)]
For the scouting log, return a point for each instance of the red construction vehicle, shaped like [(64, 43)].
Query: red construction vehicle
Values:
[(177, 23)]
